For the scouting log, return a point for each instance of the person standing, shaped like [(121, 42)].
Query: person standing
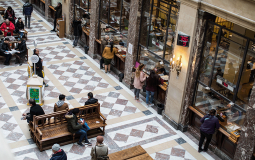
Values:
[(152, 83), (35, 109), (77, 31), (100, 151), (58, 14), (5, 47), (58, 153), (61, 105), (209, 123), (39, 67), (77, 126), (22, 48), (108, 55), (139, 79), (10, 14), (7, 26), (104, 42), (19, 27), (27, 11)]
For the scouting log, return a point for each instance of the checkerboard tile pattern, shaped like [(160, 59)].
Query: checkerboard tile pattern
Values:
[(11, 3), (113, 104), (15, 82), (56, 53), (19, 13), (36, 27), (77, 77), (174, 153), (46, 38), (10, 128)]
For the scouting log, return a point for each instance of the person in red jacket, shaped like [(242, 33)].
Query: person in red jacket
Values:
[(7, 26)]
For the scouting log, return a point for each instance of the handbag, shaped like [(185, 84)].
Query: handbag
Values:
[(86, 126), (101, 157)]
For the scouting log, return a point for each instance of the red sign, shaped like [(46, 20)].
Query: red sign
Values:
[(183, 40), (224, 84)]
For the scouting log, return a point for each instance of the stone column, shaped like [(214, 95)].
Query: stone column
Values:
[(133, 38), (94, 23), (47, 9), (193, 69), (246, 143), (68, 6), (190, 24)]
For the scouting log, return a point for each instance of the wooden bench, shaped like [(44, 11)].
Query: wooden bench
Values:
[(134, 153), (54, 127)]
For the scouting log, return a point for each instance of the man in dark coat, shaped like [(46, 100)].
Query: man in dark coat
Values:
[(39, 67), (27, 11), (58, 14), (91, 100), (77, 31), (77, 126), (35, 109), (22, 48), (58, 153), (4, 46)]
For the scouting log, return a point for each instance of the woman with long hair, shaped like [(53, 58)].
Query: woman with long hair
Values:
[(108, 55), (140, 77), (151, 86), (10, 14), (19, 27)]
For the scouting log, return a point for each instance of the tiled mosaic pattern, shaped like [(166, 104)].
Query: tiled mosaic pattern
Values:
[(77, 77), (113, 104), (11, 3), (45, 38)]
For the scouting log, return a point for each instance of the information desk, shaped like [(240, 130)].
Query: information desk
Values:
[(119, 58), (222, 139)]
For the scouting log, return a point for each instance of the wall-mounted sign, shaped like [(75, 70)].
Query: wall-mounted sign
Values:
[(183, 40), (223, 82)]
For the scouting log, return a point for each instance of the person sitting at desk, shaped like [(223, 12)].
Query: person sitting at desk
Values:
[(19, 27), (233, 112), (219, 72), (4, 46), (22, 48), (7, 26), (9, 35)]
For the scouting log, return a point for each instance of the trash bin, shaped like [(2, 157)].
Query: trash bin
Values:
[(86, 48), (160, 108)]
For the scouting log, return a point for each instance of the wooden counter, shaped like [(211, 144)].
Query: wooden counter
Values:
[(86, 31), (220, 139)]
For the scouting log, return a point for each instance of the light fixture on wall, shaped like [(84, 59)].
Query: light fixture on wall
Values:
[(176, 65)]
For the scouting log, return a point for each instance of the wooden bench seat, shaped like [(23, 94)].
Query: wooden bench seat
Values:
[(134, 153), (24, 36), (53, 127)]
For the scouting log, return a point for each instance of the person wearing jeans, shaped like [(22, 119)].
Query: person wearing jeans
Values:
[(77, 126), (152, 83), (140, 77), (27, 11), (209, 123)]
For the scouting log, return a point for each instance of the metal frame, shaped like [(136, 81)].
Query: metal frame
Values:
[(216, 52)]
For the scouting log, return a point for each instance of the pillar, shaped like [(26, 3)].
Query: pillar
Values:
[(47, 9), (67, 5), (246, 143), (133, 39), (94, 23), (177, 98)]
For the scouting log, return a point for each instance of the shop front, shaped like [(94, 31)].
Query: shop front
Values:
[(82, 10), (225, 81), (156, 40), (113, 23)]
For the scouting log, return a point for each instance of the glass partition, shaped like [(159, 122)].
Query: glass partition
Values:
[(226, 74)]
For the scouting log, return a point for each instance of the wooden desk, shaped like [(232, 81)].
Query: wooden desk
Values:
[(2, 9)]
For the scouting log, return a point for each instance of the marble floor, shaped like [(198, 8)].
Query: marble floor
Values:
[(69, 71)]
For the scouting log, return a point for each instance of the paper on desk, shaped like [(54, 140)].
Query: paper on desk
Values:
[(165, 78), (11, 52), (22, 31), (97, 122), (234, 127)]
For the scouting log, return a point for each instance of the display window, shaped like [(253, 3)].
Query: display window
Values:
[(116, 14), (226, 73), (157, 30)]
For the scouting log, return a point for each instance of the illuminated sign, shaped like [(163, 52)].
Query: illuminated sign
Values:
[(183, 40)]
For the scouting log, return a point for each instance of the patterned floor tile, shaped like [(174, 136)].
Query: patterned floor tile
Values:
[(46, 38)]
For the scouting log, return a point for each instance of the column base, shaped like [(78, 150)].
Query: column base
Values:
[(174, 124)]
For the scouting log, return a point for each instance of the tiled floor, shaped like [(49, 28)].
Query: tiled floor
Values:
[(69, 71)]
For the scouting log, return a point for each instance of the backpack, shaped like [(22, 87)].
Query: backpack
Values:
[(101, 157)]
